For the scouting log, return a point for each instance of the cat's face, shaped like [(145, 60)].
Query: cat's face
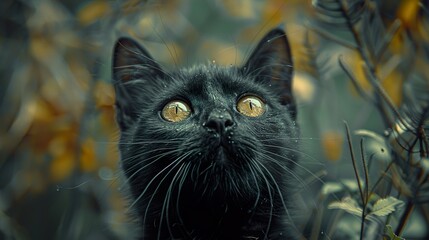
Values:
[(222, 129)]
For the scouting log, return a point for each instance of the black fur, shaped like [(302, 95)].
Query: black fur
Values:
[(218, 174)]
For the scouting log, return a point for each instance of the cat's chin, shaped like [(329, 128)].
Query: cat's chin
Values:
[(222, 156), (221, 153)]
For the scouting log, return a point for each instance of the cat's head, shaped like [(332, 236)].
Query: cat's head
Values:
[(227, 128)]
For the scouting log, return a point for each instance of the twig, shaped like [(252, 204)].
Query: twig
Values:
[(424, 149), (391, 32), (408, 210), (382, 93), (349, 140), (355, 82), (362, 152)]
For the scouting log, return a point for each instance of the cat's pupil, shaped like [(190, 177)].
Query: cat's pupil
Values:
[(251, 106), (175, 111)]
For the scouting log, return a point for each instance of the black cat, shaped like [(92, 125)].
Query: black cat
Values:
[(209, 151)]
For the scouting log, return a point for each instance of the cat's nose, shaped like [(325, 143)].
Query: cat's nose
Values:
[(219, 121)]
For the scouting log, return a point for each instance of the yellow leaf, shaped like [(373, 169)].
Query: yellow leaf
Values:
[(408, 12), (356, 64), (41, 47), (332, 144), (104, 94), (304, 88), (393, 85), (88, 161), (41, 110), (396, 45), (62, 166), (93, 11), (240, 8)]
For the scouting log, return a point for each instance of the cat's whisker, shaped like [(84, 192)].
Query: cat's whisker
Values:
[(139, 142), (258, 194), (265, 156), (296, 164), (280, 195), (301, 153), (157, 148), (302, 182), (161, 154), (301, 139), (179, 191), (175, 163), (157, 158), (172, 166), (206, 169), (268, 185), (166, 203)]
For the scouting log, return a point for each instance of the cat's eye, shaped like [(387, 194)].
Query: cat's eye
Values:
[(251, 106), (176, 111)]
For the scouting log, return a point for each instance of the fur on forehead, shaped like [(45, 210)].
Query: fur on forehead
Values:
[(209, 80)]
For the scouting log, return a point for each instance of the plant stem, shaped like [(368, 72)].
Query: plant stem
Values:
[(362, 152), (404, 219), (355, 82), (362, 223), (349, 141)]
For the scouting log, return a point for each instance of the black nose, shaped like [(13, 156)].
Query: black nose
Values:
[(219, 121)]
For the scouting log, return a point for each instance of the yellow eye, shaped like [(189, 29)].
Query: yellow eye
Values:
[(176, 111), (251, 106)]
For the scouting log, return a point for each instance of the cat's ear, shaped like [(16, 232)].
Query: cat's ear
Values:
[(132, 68), (271, 63)]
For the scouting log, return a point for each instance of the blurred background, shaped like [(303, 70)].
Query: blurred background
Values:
[(59, 165)]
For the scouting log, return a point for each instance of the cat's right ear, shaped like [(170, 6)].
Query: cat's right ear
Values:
[(271, 63), (132, 68)]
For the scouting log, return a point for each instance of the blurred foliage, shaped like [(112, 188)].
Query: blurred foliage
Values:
[(59, 165)]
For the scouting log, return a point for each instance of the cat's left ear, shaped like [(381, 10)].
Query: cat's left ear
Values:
[(271, 63), (133, 69)]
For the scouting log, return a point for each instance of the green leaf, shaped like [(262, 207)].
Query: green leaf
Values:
[(331, 187), (350, 184), (347, 204), (377, 145), (386, 206), (373, 135), (390, 234), (424, 163)]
